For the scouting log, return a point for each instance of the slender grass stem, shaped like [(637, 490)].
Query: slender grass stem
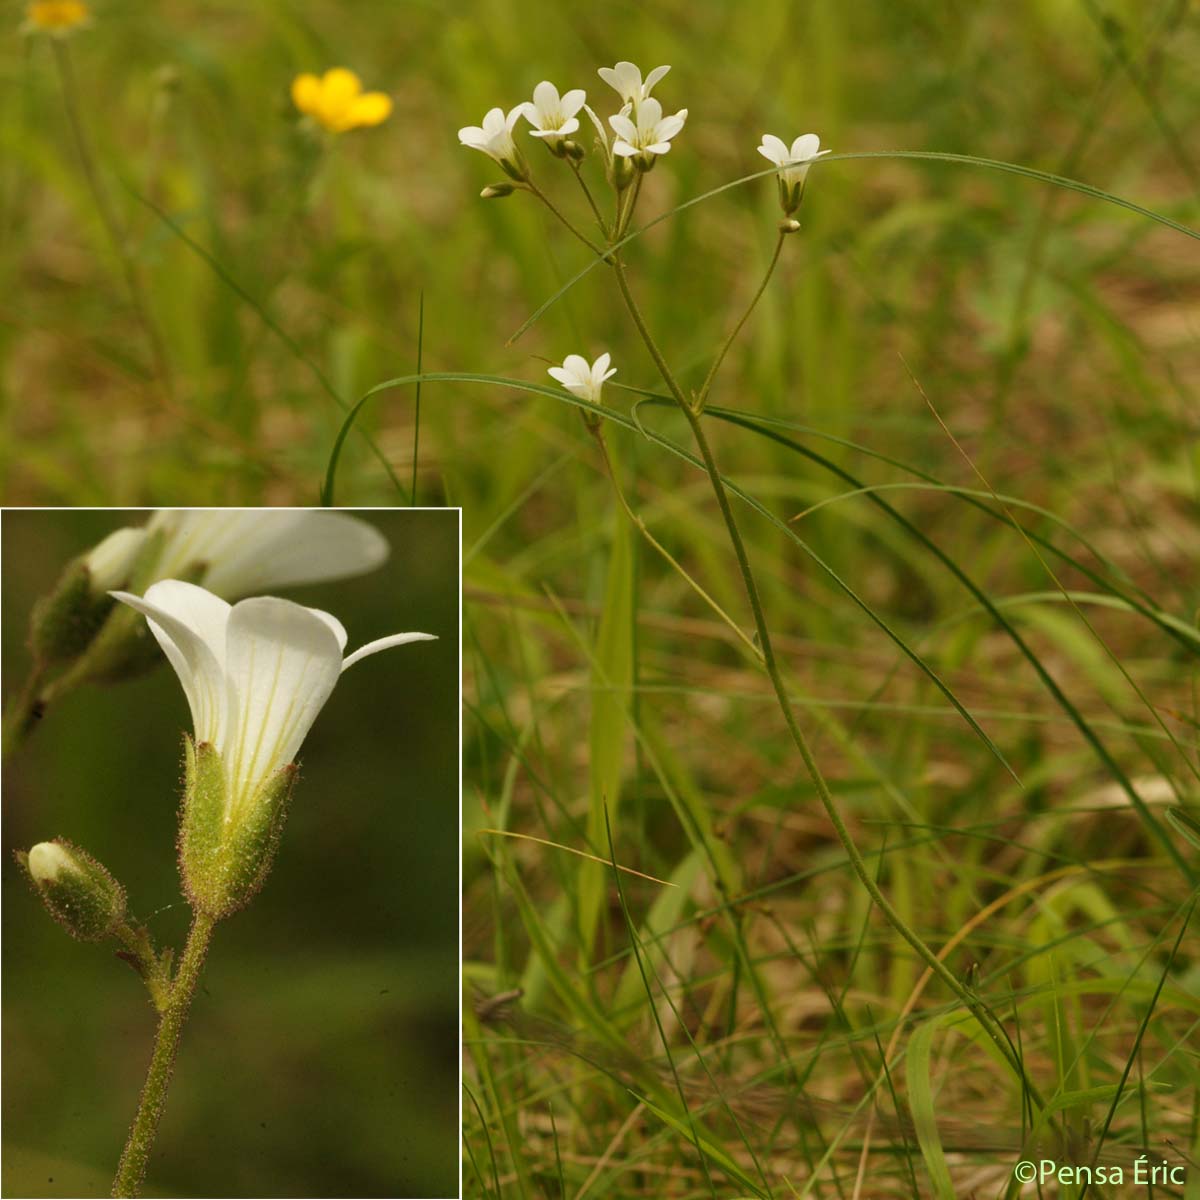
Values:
[(597, 432), (108, 217), (990, 1026), (587, 191), (563, 218), (132, 1169), (702, 394)]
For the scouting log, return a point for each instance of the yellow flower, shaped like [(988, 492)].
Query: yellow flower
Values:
[(58, 17), (337, 100)]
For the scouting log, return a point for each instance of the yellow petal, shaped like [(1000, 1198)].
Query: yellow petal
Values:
[(306, 93), (372, 108)]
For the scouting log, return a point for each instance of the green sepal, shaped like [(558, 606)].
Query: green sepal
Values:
[(83, 897), (66, 621), (226, 855)]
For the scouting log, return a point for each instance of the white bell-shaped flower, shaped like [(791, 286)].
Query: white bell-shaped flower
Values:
[(256, 673)]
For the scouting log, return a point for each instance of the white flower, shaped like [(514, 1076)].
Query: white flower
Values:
[(649, 136), (553, 116), (494, 138), (256, 674), (583, 380), (626, 80), (803, 152), (240, 552)]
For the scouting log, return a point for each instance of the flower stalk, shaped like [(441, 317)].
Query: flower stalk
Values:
[(131, 1171)]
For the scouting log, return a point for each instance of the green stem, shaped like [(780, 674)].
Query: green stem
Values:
[(587, 191), (23, 713), (132, 1169), (770, 664), (702, 395), (583, 237), (108, 216), (597, 432)]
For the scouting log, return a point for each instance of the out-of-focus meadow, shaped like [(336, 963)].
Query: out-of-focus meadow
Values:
[(1053, 333), (321, 1053)]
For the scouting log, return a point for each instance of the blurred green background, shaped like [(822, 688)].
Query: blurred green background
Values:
[(969, 273), (321, 1057)]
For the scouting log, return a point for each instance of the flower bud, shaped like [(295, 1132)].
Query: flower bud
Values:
[(496, 191), (622, 173), (573, 150), (66, 621), (77, 891), (789, 225), (225, 853)]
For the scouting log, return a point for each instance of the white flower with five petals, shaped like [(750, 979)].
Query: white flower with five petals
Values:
[(626, 80), (581, 379), (494, 138), (796, 160), (255, 674), (646, 133), (551, 115)]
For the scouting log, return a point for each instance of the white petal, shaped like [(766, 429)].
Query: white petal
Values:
[(275, 550), (774, 148), (566, 378), (474, 137), (601, 365), (623, 127), (624, 149), (545, 96), (805, 147), (649, 113), (653, 78), (396, 639), (282, 661), (577, 365), (190, 625), (570, 125), (670, 126), (657, 148), (339, 630), (572, 101)]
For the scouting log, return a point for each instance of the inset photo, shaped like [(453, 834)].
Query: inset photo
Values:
[(231, 823)]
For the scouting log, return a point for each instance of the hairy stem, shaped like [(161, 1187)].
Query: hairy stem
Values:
[(132, 1168), (770, 664)]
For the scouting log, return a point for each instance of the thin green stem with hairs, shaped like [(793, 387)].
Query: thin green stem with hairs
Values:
[(132, 1169)]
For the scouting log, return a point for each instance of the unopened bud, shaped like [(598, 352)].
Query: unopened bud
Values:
[(496, 191), (111, 562), (573, 150), (77, 891), (622, 172), (67, 621), (789, 225)]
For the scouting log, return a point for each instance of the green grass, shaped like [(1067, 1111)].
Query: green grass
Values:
[(960, 439)]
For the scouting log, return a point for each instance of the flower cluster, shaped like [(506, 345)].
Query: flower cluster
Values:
[(640, 131), (632, 141)]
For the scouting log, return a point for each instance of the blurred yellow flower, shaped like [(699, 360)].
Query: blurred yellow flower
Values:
[(55, 16), (337, 100)]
